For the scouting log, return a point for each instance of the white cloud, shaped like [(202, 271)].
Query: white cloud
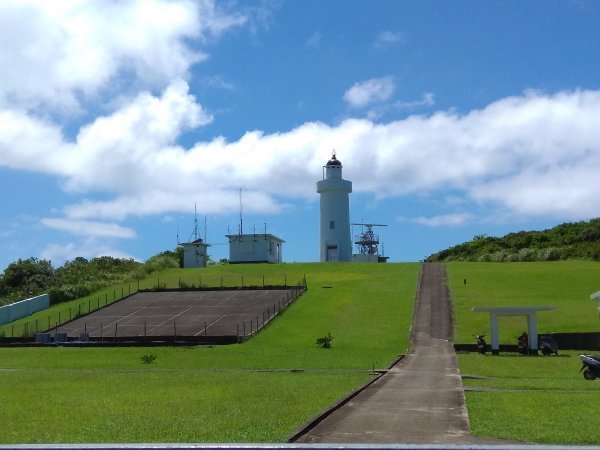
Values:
[(375, 90), (428, 99), (388, 38), (530, 155), (89, 228), (90, 248), (218, 82), (56, 54), (378, 111), (444, 220)]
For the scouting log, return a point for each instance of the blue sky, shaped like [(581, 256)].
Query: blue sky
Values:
[(452, 119)]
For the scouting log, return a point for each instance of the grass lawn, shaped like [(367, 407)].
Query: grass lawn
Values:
[(237, 393), (567, 285), (544, 400)]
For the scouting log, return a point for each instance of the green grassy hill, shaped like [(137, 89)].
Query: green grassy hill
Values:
[(567, 285), (578, 240), (264, 389), (258, 391), (540, 400)]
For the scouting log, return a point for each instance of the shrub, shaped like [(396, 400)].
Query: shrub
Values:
[(148, 359), (325, 341)]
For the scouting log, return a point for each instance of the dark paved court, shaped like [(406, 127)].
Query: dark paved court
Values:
[(182, 313)]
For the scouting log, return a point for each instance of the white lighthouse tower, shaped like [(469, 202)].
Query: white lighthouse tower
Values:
[(336, 244)]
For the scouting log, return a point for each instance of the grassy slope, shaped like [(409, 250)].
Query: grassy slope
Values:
[(567, 285), (545, 399), (237, 393)]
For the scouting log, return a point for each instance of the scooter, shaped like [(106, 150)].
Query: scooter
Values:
[(590, 367), (548, 344), (523, 344), (481, 344)]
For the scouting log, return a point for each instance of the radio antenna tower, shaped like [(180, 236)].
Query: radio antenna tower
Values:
[(241, 209), (367, 242)]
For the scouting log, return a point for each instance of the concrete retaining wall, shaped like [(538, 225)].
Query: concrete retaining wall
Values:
[(10, 313)]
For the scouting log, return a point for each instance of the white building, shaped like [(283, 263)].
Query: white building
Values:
[(255, 248), (336, 244), (195, 254)]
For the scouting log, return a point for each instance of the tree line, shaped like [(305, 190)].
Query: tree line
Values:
[(79, 277), (572, 240)]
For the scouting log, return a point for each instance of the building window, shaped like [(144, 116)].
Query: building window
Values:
[(332, 224)]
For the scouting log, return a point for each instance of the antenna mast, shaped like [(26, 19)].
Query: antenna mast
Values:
[(367, 241), (241, 220), (195, 223)]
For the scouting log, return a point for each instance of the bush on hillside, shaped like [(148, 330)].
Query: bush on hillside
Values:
[(580, 240)]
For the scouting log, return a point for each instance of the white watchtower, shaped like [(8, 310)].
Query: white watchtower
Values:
[(336, 244)]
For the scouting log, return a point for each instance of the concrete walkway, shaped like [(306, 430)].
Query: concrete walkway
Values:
[(421, 399)]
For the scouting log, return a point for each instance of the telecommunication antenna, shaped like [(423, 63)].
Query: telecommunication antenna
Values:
[(366, 241), (241, 219)]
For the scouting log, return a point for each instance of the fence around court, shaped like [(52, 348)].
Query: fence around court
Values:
[(25, 330)]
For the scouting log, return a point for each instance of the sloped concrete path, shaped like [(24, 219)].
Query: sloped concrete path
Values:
[(421, 399)]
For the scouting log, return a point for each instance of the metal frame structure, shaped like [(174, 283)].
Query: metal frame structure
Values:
[(367, 242)]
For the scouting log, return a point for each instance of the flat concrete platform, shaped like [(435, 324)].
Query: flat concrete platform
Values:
[(421, 399), (183, 313)]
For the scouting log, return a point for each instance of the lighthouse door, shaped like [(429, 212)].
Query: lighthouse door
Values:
[(332, 253)]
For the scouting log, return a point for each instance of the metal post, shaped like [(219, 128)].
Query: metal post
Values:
[(205, 329), (244, 323), (116, 323)]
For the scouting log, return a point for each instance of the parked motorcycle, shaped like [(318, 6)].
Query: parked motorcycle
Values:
[(547, 344), (523, 344), (590, 367), (481, 344)]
